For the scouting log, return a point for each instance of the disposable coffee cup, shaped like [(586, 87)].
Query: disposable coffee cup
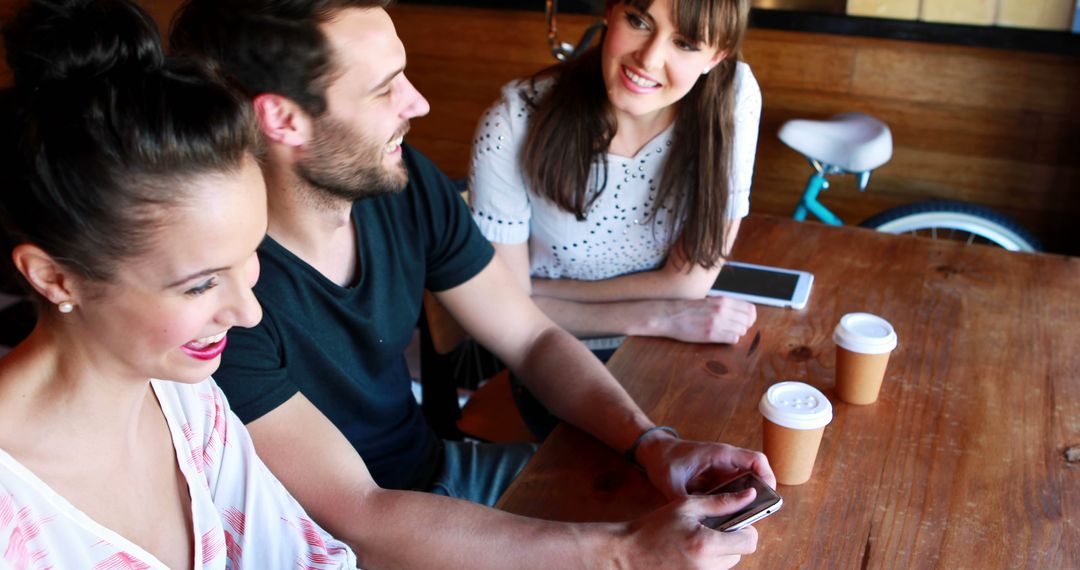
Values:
[(863, 345), (794, 416)]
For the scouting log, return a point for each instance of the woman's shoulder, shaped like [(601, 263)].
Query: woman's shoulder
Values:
[(747, 93), (530, 87), (508, 117), (745, 82), (525, 92)]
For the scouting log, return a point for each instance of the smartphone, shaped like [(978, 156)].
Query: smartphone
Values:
[(764, 285), (765, 503)]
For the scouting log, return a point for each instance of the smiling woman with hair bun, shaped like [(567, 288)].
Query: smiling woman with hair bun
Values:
[(131, 209)]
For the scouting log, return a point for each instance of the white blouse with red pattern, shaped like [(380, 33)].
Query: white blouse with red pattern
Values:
[(242, 516)]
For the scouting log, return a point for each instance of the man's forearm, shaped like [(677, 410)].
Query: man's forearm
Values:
[(556, 367), (576, 387), (405, 529)]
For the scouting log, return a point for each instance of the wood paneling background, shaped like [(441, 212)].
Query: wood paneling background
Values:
[(995, 127)]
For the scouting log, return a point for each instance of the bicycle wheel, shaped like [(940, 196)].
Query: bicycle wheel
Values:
[(955, 221)]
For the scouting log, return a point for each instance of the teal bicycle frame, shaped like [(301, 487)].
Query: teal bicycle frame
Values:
[(818, 183)]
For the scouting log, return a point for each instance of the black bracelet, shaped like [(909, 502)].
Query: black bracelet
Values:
[(629, 453)]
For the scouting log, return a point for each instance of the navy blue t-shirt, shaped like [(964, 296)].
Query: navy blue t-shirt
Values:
[(343, 347)]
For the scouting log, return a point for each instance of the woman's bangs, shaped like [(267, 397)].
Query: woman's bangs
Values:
[(718, 23)]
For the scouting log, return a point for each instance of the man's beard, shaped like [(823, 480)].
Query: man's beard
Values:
[(344, 164)]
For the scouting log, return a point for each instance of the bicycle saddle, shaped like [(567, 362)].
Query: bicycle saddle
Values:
[(851, 141)]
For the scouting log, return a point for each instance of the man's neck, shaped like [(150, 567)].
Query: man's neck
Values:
[(313, 226)]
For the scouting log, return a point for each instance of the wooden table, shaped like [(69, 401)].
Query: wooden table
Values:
[(962, 462)]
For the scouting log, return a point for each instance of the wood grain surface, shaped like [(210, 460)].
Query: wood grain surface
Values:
[(960, 464)]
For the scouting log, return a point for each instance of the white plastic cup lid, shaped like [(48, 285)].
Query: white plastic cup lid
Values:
[(865, 333), (796, 405)]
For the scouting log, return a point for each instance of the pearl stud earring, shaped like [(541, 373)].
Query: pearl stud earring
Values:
[(65, 306)]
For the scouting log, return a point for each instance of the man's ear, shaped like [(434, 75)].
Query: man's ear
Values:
[(47, 276), (281, 120)]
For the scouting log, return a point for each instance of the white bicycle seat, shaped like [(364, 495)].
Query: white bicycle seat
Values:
[(851, 141)]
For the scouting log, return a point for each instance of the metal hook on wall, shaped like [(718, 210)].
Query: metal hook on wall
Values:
[(564, 51)]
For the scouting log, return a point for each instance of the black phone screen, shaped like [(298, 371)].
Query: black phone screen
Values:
[(765, 498), (753, 281)]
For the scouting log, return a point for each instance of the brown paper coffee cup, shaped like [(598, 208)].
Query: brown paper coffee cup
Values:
[(863, 345), (859, 376), (791, 452), (794, 416)]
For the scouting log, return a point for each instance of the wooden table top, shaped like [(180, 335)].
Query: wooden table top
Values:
[(962, 462)]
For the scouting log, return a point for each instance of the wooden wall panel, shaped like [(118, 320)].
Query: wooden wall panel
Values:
[(481, 35), (989, 126), (942, 128), (987, 79), (459, 59), (802, 65)]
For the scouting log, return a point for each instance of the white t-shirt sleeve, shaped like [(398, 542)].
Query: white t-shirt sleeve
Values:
[(747, 121), (497, 191)]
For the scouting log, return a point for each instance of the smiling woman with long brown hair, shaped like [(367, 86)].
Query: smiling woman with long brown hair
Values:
[(614, 184)]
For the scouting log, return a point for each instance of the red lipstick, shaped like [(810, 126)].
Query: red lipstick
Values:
[(208, 352)]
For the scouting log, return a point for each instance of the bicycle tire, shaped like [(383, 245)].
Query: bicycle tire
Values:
[(955, 221)]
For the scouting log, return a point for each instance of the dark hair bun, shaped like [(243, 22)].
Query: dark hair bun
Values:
[(104, 132), (79, 40)]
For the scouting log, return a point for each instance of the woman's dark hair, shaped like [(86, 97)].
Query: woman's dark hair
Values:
[(266, 46), (572, 127), (103, 131)]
